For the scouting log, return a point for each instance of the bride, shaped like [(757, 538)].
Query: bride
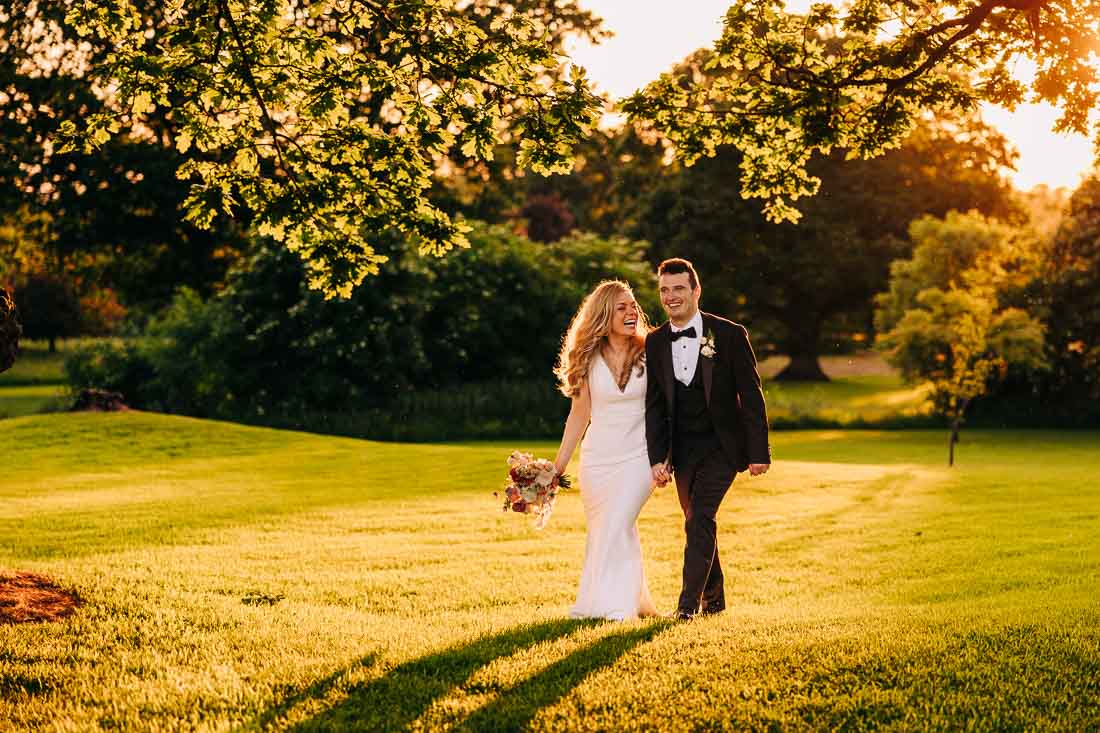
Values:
[(602, 369)]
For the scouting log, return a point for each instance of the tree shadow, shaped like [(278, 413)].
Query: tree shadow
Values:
[(517, 706), (317, 691), (402, 695)]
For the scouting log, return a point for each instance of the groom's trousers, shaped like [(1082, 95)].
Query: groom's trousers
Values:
[(701, 486)]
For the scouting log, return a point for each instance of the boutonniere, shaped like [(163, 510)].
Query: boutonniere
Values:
[(707, 347)]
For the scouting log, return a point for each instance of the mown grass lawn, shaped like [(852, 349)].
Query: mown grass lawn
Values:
[(36, 365), (844, 400), (32, 399), (36, 383), (862, 389), (240, 578)]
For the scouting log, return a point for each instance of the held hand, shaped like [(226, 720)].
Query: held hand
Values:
[(758, 469), (661, 475)]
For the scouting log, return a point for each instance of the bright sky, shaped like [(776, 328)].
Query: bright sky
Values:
[(652, 35)]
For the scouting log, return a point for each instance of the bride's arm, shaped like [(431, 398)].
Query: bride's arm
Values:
[(580, 412)]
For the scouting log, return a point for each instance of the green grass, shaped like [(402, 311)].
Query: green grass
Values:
[(869, 587), (36, 383), (863, 391), (853, 399), (31, 400), (36, 365)]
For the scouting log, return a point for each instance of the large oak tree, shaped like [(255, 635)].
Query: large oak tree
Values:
[(324, 120), (108, 215), (1069, 299)]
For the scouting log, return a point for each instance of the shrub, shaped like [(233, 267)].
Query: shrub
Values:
[(457, 347)]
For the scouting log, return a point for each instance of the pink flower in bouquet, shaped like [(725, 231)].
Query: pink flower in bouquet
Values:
[(533, 485)]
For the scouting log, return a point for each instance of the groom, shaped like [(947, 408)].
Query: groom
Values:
[(705, 421)]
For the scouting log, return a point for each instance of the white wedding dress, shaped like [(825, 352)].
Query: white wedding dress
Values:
[(615, 481)]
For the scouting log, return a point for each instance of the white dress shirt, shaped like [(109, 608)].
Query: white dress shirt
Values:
[(685, 350)]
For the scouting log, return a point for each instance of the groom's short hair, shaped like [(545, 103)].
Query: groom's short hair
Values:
[(677, 265)]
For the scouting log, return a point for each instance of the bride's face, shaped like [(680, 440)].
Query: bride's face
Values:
[(624, 319)]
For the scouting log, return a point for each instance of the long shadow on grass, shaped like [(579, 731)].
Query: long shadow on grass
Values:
[(399, 697), (395, 700), (517, 706)]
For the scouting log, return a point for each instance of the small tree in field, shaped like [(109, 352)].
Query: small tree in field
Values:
[(49, 306), (941, 321), (958, 342)]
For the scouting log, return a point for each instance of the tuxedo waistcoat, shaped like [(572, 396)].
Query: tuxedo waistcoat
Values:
[(693, 434)]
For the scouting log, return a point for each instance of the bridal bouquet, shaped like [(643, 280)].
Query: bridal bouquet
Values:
[(533, 484)]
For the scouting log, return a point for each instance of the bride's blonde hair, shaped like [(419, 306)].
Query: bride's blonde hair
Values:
[(588, 331)]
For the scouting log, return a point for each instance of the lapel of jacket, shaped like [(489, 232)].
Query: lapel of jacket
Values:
[(667, 373), (707, 365)]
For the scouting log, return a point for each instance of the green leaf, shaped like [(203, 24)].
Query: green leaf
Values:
[(183, 141), (142, 103)]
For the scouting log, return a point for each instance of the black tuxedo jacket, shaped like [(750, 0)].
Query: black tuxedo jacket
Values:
[(732, 387)]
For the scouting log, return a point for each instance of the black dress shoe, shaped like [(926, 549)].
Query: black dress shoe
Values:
[(713, 609), (681, 614)]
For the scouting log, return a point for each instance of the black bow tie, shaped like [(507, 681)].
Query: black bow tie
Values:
[(688, 332)]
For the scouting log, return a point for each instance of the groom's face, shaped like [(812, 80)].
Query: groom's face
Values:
[(677, 296)]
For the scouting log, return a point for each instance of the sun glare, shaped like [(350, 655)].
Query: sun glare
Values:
[(649, 40)]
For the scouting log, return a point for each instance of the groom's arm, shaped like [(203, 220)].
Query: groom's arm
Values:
[(754, 414), (656, 410)]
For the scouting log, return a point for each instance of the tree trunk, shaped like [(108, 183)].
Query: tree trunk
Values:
[(803, 346), (53, 345), (956, 421), (804, 367)]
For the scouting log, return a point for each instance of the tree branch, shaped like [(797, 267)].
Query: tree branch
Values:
[(250, 80), (974, 21)]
